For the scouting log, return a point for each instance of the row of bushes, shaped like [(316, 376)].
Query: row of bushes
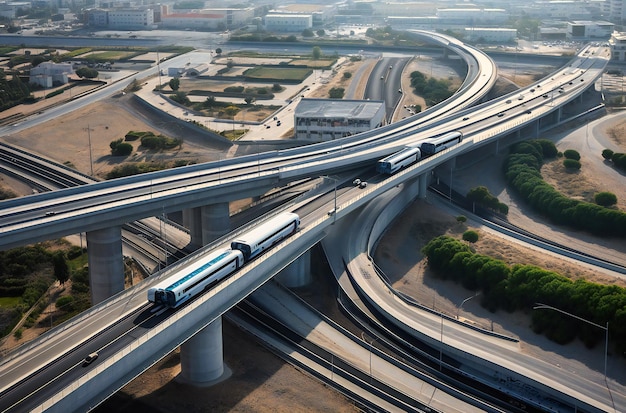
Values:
[(618, 158), (522, 171), (521, 286), (432, 90)]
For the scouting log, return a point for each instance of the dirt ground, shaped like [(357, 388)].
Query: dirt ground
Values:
[(260, 381)]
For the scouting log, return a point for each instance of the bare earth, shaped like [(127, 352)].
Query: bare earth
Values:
[(260, 381)]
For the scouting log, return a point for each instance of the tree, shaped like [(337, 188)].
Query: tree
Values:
[(320, 32), (336, 93), (307, 33), (347, 75), (571, 164), (218, 50), (470, 236), (607, 154), (231, 111), (461, 219), (316, 52), (61, 269), (605, 199), (276, 87), (174, 83), (249, 100), (87, 72), (572, 154), (119, 148)]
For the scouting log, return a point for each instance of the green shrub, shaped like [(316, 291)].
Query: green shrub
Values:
[(65, 303), (470, 236), (607, 154), (605, 199), (572, 154), (571, 164)]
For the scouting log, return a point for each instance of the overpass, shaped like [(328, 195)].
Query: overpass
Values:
[(272, 169)]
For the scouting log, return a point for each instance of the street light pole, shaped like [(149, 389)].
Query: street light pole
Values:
[(539, 306), (335, 192), (463, 302)]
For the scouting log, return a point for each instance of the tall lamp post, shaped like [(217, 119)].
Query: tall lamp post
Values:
[(458, 310), (364, 337), (335, 207), (539, 306)]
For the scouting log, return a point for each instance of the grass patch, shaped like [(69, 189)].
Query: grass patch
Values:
[(8, 302), (111, 55), (277, 73), (319, 63)]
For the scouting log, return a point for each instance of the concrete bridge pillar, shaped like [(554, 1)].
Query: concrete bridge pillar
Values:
[(106, 265), (423, 185), (537, 128), (215, 221), (202, 356), (559, 114), (298, 273), (192, 220)]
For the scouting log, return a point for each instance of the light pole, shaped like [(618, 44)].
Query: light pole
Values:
[(463, 302), (363, 336), (335, 207), (539, 306)]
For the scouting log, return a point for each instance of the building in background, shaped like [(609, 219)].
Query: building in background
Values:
[(47, 74), (320, 120)]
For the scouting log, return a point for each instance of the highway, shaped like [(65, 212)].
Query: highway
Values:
[(263, 166), (45, 216)]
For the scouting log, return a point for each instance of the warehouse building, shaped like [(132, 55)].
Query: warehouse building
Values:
[(320, 120)]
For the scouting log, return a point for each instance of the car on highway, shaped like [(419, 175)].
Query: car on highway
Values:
[(363, 184), (90, 359), (357, 182)]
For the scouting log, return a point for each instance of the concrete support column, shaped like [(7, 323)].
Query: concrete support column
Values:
[(202, 356), (559, 114), (192, 220), (497, 146), (215, 221), (298, 273), (106, 265), (423, 185), (537, 128)]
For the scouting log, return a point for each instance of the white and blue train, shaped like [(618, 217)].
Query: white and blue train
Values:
[(398, 160), (410, 154), (438, 144), (217, 265)]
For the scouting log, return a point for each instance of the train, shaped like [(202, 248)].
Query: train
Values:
[(411, 154), (217, 265)]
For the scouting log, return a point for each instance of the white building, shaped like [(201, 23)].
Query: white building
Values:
[(132, 18), (616, 10), (585, 30), (46, 74), (207, 19), (618, 46), (327, 119), (558, 9), (8, 9), (122, 18), (288, 22), (467, 16), (490, 34)]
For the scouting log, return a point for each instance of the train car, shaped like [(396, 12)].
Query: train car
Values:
[(398, 160), (267, 234), (178, 289), (438, 144)]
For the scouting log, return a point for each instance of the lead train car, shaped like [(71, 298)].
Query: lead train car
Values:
[(267, 234), (178, 289)]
